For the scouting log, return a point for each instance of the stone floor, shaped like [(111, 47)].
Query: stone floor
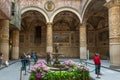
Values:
[(12, 72)]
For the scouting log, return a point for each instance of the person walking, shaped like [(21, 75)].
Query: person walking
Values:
[(97, 63)]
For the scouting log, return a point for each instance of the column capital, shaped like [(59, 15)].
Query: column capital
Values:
[(49, 23), (82, 25), (112, 3)]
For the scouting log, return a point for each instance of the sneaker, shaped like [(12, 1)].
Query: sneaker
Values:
[(100, 74), (98, 77)]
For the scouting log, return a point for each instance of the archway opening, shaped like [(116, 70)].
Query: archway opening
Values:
[(96, 17), (66, 33), (33, 33)]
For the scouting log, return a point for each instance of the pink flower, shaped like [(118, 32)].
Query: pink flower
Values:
[(38, 76), (40, 66)]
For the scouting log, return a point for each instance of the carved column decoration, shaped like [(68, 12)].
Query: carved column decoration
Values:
[(114, 31), (83, 45)]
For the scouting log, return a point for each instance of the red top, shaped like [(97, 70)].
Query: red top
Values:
[(97, 60)]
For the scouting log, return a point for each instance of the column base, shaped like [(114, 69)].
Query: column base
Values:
[(114, 67), (83, 54)]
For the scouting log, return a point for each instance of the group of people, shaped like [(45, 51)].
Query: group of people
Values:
[(25, 59)]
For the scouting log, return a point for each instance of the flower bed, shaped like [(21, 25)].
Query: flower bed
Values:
[(41, 71)]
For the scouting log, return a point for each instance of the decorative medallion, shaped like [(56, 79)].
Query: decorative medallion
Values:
[(49, 6)]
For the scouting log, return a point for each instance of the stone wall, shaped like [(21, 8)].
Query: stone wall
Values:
[(68, 43)]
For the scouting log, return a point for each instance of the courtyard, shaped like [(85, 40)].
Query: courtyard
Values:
[(12, 72)]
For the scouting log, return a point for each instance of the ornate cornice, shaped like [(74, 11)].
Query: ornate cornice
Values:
[(112, 3)]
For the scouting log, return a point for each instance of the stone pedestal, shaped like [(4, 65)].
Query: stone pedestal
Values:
[(49, 38), (114, 32), (15, 44), (4, 39), (83, 45)]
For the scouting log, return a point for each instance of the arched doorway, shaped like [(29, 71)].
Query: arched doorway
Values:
[(66, 33), (96, 17), (33, 32)]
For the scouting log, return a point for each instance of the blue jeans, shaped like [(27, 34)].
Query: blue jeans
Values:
[(97, 69), (24, 65)]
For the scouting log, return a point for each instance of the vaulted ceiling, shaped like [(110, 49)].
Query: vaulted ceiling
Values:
[(95, 12), (32, 19), (66, 19)]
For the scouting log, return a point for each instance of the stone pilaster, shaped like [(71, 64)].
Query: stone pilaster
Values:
[(83, 45), (114, 32), (4, 39), (49, 38), (15, 44)]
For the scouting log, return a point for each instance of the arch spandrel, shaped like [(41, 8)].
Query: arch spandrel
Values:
[(65, 9), (37, 9)]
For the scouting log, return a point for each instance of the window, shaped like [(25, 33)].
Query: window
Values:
[(38, 34)]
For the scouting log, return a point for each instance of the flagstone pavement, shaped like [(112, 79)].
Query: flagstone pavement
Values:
[(12, 72)]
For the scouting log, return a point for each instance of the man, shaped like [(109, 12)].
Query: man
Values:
[(24, 62), (97, 63)]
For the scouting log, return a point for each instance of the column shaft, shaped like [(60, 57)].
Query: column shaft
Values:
[(4, 39), (49, 38), (114, 33), (83, 46), (15, 44)]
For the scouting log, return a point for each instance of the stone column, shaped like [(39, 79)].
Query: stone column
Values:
[(83, 45), (15, 44), (49, 38), (4, 39), (114, 32)]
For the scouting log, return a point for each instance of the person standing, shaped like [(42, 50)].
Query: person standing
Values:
[(97, 63), (1, 57), (35, 57), (24, 62), (48, 58)]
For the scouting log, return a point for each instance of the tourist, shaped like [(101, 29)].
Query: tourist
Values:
[(35, 57), (1, 57), (48, 58), (97, 63), (28, 60), (32, 52), (24, 61)]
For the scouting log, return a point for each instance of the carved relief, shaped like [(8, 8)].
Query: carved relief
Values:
[(49, 6), (115, 40), (68, 2)]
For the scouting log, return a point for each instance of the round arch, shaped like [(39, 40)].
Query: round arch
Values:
[(88, 3), (65, 9), (37, 9)]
